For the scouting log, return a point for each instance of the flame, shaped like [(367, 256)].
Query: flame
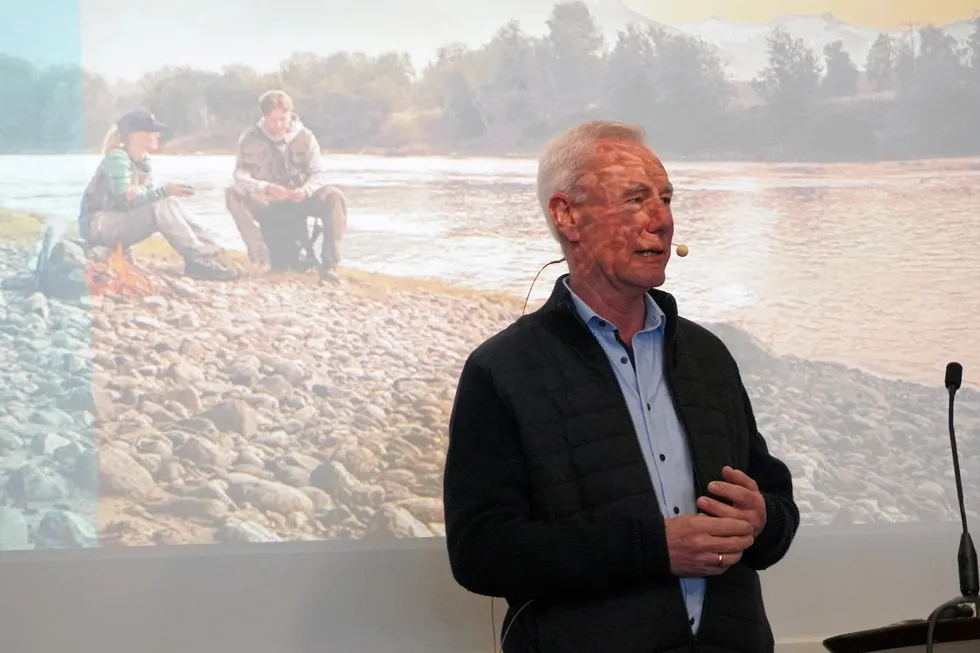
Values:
[(117, 276)]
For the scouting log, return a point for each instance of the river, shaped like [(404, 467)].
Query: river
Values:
[(873, 265)]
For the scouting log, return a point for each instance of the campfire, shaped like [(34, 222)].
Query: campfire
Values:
[(117, 276)]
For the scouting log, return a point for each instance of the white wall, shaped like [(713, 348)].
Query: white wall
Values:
[(311, 598)]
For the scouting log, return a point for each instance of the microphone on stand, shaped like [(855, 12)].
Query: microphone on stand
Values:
[(966, 557)]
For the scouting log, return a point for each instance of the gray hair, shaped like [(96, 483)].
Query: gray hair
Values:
[(565, 158)]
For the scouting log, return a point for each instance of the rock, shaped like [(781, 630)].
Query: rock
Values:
[(393, 521), (202, 452), (120, 474), (233, 416), (334, 479), (62, 529), (235, 530), (184, 373), (30, 483), (14, 533), (275, 386), (46, 444), (92, 399), (271, 496), (187, 397)]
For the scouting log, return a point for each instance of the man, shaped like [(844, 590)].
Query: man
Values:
[(122, 205), (279, 183), (604, 472)]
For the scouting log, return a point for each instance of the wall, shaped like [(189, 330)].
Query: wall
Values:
[(304, 598)]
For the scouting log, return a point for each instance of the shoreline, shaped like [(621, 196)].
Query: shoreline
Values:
[(29, 226), (278, 409)]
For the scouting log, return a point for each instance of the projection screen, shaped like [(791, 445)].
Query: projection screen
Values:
[(826, 176)]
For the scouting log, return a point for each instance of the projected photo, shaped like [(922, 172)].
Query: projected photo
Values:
[(253, 333)]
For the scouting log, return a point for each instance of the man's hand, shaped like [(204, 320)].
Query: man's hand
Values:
[(747, 502), (695, 542), (179, 190), (278, 193)]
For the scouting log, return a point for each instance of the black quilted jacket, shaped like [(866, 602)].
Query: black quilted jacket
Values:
[(550, 505)]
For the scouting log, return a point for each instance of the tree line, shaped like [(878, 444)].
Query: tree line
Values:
[(912, 97)]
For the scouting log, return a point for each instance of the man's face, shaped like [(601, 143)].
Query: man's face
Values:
[(621, 223), (277, 122)]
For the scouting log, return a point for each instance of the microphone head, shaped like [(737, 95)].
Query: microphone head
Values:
[(954, 376), (682, 250)]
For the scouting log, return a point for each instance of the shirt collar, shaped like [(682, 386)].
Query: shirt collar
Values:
[(653, 319)]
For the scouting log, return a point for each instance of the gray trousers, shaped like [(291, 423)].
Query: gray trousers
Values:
[(256, 219), (165, 217)]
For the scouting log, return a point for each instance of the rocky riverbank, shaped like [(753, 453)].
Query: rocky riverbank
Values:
[(279, 409)]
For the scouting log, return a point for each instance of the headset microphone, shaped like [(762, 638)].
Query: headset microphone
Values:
[(682, 250)]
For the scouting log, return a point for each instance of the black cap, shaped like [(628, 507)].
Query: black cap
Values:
[(139, 120)]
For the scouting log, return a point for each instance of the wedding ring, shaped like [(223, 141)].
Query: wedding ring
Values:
[(721, 560)]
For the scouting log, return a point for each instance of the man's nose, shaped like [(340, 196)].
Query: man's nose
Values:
[(658, 217)]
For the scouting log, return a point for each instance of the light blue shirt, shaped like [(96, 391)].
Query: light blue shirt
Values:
[(640, 374)]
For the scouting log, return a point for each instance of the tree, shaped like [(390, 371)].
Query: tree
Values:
[(575, 50), (18, 78), (905, 65), (791, 78), (58, 118), (880, 65), (630, 89), (512, 85), (672, 84), (789, 86), (939, 64), (973, 48), (842, 75), (449, 90)]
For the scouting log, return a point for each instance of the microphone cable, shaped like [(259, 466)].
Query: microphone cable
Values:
[(535, 280)]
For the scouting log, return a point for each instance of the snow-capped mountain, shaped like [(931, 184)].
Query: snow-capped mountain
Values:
[(211, 40)]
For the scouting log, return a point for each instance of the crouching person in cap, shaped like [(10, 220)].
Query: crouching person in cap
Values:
[(122, 205)]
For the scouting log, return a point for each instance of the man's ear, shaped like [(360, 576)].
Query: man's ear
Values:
[(565, 220)]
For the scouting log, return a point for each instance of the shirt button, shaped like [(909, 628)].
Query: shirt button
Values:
[(692, 621), (677, 510), (662, 457), (624, 360), (648, 406), (602, 323)]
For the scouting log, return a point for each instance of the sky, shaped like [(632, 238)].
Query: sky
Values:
[(872, 13), (213, 33)]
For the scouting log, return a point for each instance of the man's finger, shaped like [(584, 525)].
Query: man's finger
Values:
[(727, 527), (730, 545), (716, 508), (730, 491), (738, 477)]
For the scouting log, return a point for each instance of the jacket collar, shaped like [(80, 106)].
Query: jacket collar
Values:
[(561, 302)]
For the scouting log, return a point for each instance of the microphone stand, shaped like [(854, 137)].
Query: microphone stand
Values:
[(967, 555)]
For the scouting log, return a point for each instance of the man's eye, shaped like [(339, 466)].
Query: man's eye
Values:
[(666, 200), (635, 200)]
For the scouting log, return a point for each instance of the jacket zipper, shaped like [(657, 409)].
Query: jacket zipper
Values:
[(668, 351)]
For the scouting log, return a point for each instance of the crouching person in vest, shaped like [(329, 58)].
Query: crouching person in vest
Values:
[(605, 473), (122, 205), (279, 184)]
